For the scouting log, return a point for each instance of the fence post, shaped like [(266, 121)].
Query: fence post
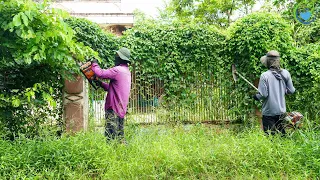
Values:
[(75, 102)]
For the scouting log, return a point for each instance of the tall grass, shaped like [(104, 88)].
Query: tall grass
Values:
[(165, 152)]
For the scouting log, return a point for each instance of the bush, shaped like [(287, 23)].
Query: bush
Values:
[(308, 34), (179, 64), (249, 39), (304, 65), (90, 34)]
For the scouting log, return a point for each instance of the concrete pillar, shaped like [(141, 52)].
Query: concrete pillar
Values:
[(76, 105)]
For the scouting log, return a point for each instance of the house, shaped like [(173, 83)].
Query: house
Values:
[(112, 15)]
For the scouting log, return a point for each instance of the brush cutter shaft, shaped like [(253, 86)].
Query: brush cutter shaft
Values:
[(247, 81)]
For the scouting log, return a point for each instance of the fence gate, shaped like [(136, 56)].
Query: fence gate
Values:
[(211, 98)]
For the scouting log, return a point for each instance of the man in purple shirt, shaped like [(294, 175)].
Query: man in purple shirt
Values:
[(118, 92)]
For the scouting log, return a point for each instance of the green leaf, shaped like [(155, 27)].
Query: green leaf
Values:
[(19, 32), (37, 56), (24, 19), (29, 14), (16, 103), (17, 20)]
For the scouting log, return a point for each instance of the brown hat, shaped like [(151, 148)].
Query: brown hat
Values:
[(270, 54)]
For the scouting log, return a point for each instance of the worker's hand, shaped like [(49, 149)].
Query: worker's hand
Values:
[(98, 82), (93, 60), (255, 97)]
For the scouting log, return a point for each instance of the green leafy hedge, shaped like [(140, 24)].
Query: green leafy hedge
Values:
[(176, 54), (249, 39), (187, 61), (91, 34), (304, 65)]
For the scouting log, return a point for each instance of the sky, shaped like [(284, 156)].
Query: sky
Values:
[(150, 6), (147, 6)]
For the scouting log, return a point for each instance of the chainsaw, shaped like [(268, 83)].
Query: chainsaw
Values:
[(86, 69)]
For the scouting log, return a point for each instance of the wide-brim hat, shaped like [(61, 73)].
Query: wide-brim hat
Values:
[(124, 54), (270, 54)]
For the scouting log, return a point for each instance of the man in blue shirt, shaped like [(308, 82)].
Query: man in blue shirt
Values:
[(274, 84)]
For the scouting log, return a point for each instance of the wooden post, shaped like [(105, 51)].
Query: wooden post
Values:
[(75, 103)]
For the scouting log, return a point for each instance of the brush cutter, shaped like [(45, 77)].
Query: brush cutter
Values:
[(235, 78), (293, 119)]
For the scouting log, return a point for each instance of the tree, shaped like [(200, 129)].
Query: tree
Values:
[(217, 12), (37, 52), (302, 34)]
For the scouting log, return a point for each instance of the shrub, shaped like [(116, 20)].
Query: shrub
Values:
[(91, 35), (304, 65), (249, 39), (183, 65)]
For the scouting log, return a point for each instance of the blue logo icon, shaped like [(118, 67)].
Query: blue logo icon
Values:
[(305, 12)]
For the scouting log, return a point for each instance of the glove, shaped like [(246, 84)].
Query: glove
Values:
[(94, 61), (98, 82), (255, 97)]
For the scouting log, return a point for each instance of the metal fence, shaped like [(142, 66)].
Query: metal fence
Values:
[(210, 99)]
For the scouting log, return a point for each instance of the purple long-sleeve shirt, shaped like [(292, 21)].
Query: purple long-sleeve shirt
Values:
[(118, 89)]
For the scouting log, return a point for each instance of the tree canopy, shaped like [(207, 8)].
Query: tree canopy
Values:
[(37, 51), (215, 12)]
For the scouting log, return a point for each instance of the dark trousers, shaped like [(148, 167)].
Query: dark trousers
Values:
[(273, 124), (114, 126)]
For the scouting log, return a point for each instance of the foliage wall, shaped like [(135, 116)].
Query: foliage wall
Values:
[(187, 61), (249, 39), (182, 58), (175, 53), (183, 66), (304, 65), (91, 34), (185, 57)]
